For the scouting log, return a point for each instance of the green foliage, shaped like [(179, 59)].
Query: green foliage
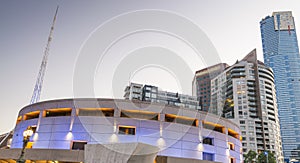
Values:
[(262, 158), (249, 157)]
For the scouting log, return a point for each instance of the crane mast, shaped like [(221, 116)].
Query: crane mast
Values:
[(39, 82)]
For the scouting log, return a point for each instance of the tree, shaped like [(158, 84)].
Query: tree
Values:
[(249, 157), (263, 156)]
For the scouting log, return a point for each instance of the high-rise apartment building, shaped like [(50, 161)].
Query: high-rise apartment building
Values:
[(281, 53), (245, 94), (151, 93), (201, 84)]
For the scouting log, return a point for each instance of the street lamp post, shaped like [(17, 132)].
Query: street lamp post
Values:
[(267, 154), (26, 136)]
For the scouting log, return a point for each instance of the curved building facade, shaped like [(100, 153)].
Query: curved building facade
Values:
[(245, 93), (74, 124)]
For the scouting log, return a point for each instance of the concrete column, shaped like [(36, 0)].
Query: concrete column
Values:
[(120, 153)]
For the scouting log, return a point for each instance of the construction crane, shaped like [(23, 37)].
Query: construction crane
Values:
[(39, 82)]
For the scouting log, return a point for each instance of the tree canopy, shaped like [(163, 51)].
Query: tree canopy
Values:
[(249, 157), (263, 156), (252, 157)]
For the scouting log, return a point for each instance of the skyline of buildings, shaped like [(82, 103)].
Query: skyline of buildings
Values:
[(278, 36), (245, 94), (198, 12), (281, 53)]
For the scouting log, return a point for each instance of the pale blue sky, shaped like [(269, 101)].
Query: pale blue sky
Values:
[(231, 25)]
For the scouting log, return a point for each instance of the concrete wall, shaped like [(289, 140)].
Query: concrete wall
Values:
[(120, 153), (172, 139), (165, 159), (43, 154), (93, 153)]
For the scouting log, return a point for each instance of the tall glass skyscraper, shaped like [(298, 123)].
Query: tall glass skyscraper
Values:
[(281, 53)]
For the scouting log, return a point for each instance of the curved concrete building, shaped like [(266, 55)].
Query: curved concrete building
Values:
[(93, 130)]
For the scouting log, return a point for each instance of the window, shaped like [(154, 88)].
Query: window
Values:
[(153, 95), (32, 115), (127, 130), (139, 114), (147, 94), (58, 112), (208, 156), (180, 119), (78, 145), (213, 126), (207, 140), (231, 146), (232, 160), (102, 112), (251, 133)]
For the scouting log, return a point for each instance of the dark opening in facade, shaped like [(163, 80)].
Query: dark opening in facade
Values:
[(78, 145), (127, 130)]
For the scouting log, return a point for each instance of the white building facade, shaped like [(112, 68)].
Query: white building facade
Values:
[(150, 93), (245, 94)]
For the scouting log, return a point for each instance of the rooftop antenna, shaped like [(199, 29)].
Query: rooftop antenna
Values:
[(39, 82)]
